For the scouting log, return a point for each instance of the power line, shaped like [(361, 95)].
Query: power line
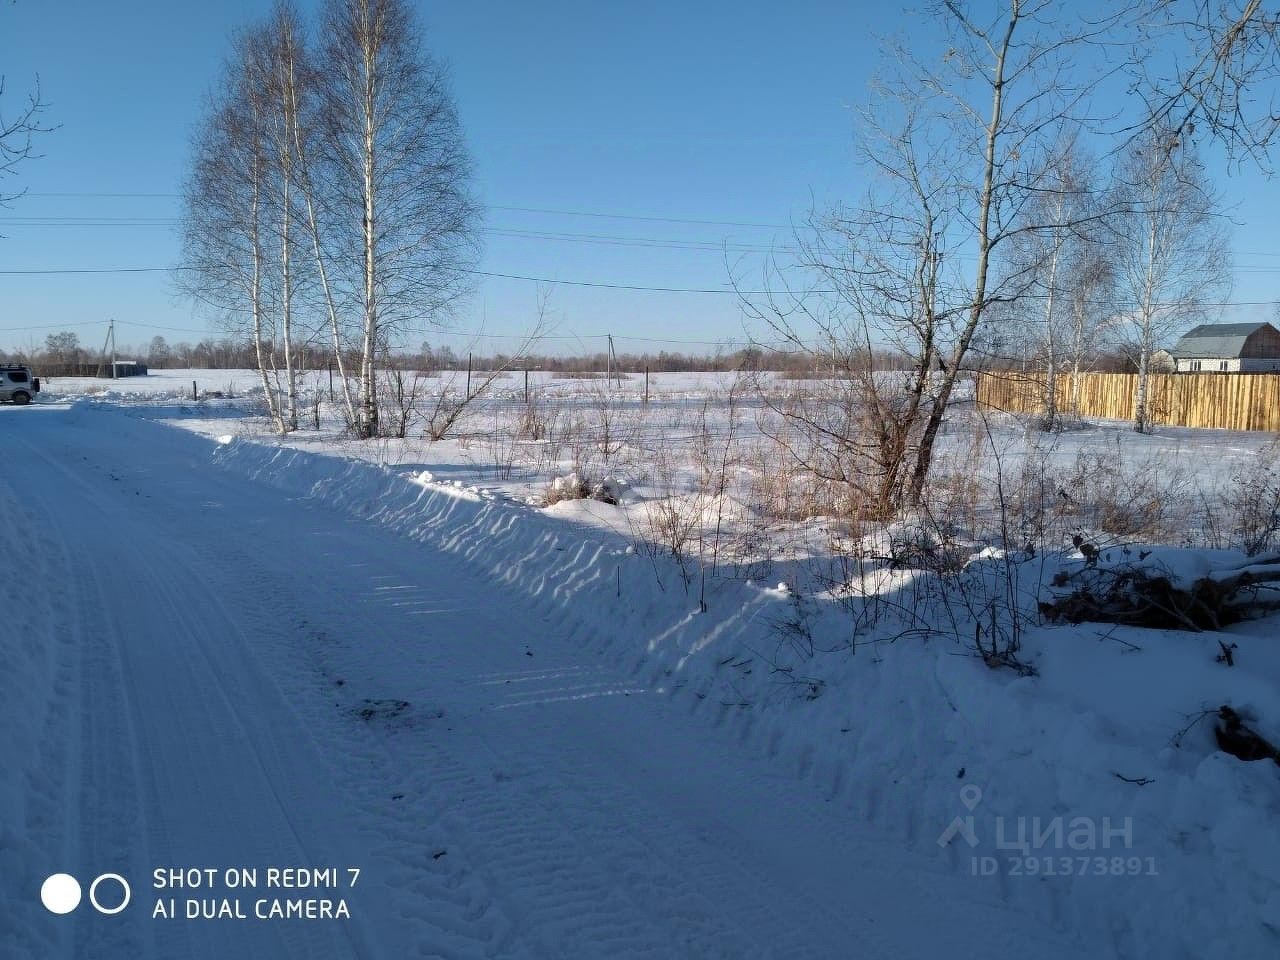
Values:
[(52, 326), (711, 246), (57, 271), (625, 216), (554, 211), (623, 286), (52, 271), (599, 284), (94, 323), (155, 326), (73, 193)]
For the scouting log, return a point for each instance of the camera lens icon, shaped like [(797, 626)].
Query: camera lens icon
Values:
[(60, 893)]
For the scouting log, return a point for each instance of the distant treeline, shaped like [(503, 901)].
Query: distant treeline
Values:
[(63, 356)]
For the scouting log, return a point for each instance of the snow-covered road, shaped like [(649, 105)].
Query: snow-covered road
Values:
[(245, 679)]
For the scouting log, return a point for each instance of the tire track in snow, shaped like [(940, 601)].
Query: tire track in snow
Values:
[(551, 876), (160, 640), (47, 765), (581, 864), (101, 818), (468, 929)]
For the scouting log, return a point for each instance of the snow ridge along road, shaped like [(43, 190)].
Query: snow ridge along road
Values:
[(212, 673)]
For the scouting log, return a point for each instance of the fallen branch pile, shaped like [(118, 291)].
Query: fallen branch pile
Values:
[(1149, 589)]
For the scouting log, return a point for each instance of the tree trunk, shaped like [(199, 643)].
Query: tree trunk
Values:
[(273, 406), (1050, 339), (924, 456), (286, 297), (368, 383), (1141, 415)]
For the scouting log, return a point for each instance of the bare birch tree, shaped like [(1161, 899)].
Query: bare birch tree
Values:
[(306, 119), (861, 428), (225, 200), (987, 112), (1090, 290), (1173, 250), (398, 206), (281, 71), (1013, 89), (1058, 258)]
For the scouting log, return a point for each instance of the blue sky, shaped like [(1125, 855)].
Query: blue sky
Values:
[(734, 112)]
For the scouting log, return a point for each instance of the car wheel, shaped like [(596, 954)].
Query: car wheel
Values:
[(21, 398)]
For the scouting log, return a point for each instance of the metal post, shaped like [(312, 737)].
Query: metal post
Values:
[(526, 383), (468, 373), (194, 395), (330, 382), (646, 384)]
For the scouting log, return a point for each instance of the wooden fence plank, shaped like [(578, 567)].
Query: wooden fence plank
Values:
[(1225, 401)]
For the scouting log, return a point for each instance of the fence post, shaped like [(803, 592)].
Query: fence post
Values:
[(468, 373), (526, 384), (194, 395), (646, 384)]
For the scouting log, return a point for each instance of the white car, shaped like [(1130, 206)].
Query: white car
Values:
[(17, 383)]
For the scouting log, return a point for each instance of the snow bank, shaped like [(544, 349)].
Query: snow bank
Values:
[(1092, 793)]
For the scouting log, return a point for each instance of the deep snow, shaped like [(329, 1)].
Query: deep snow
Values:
[(217, 638)]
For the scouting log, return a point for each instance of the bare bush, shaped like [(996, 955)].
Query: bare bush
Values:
[(537, 420), (1123, 500), (1252, 503), (575, 487), (400, 394)]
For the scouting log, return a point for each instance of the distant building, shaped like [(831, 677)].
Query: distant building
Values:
[(128, 368), (1162, 361), (1228, 348)]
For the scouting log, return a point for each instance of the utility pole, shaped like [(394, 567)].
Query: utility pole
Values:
[(613, 362), (111, 331), (106, 340)]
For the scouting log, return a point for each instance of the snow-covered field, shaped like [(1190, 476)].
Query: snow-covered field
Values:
[(536, 734)]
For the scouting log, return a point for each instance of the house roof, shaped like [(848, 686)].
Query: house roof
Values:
[(1216, 340)]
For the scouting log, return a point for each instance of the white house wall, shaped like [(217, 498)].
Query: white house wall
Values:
[(1232, 365)]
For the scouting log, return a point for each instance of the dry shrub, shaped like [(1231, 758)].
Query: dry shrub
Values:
[(537, 421), (1252, 502), (671, 522), (958, 490), (1148, 499), (674, 523), (576, 487)]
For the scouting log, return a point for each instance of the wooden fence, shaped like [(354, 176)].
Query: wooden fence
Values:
[(1227, 401)]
